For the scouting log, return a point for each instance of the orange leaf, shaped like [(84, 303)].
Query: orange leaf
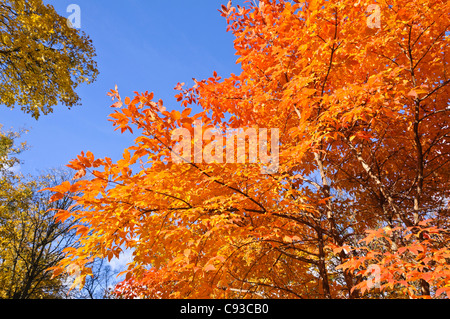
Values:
[(209, 267), (176, 115), (186, 112)]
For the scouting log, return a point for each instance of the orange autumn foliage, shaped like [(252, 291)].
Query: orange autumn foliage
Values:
[(363, 117)]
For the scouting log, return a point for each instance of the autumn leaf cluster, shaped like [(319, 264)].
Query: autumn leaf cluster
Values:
[(363, 175), (42, 59)]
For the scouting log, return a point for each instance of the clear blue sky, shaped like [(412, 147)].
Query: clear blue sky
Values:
[(141, 45)]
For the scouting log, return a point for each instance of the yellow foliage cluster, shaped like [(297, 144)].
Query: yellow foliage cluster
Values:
[(42, 59)]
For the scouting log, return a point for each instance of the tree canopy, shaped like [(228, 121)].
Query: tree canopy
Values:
[(358, 206), (31, 240), (42, 59)]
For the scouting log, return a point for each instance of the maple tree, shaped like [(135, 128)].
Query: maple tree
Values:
[(42, 59), (363, 175)]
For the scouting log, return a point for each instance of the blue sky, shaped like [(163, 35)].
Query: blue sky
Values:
[(141, 45)]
